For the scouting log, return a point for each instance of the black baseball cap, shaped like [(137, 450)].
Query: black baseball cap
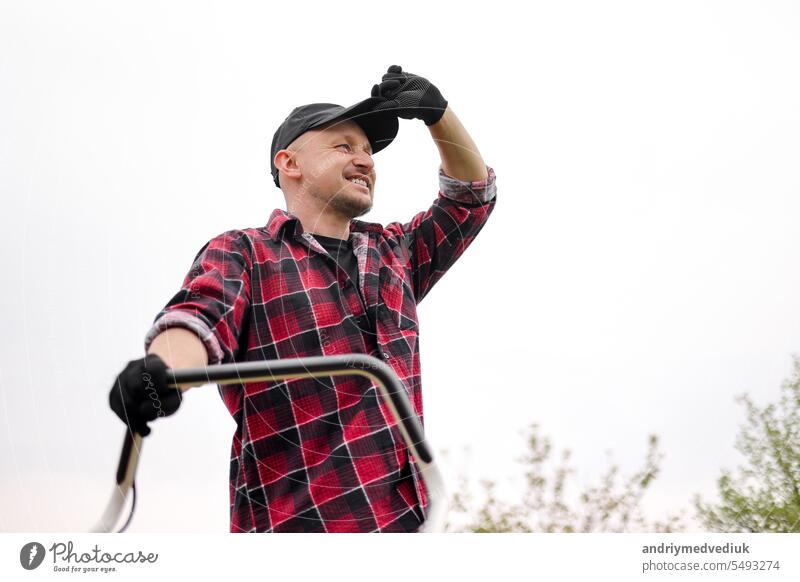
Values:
[(380, 126)]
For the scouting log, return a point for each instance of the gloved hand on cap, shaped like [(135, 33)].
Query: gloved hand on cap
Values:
[(409, 96)]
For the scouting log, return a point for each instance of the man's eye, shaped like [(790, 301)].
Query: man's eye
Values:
[(344, 145)]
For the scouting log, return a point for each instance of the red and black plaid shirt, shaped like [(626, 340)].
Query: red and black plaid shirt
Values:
[(323, 455)]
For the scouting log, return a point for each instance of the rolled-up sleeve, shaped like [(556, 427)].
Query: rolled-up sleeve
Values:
[(437, 237), (214, 298), (477, 192)]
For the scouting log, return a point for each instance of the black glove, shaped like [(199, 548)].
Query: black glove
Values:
[(140, 393), (409, 96)]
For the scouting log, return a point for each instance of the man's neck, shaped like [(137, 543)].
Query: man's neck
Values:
[(328, 224)]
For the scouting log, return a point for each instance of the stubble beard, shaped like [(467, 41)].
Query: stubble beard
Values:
[(348, 204)]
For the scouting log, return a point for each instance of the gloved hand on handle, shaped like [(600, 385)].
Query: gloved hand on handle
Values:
[(409, 96), (141, 394)]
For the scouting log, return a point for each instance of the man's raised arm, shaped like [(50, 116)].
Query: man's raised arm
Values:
[(460, 156), (437, 237)]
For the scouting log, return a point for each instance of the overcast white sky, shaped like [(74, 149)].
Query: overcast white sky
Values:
[(640, 269)]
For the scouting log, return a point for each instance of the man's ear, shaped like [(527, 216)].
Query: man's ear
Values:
[(287, 164)]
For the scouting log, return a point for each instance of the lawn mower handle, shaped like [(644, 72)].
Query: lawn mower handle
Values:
[(391, 390)]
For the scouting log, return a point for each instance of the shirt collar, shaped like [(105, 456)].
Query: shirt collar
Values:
[(280, 219)]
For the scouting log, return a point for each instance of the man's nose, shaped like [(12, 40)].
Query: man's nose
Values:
[(364, 160)]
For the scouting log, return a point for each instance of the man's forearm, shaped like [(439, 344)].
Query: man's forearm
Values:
[(460, 156), (179, 348)]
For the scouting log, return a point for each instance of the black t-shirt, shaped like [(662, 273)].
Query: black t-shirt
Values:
[(342, 251)]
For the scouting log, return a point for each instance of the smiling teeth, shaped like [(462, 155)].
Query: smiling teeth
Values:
[(358, 181)]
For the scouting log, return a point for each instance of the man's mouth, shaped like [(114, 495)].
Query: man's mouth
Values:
[(360, 182)]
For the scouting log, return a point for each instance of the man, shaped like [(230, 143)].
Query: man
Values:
[(320, 455)]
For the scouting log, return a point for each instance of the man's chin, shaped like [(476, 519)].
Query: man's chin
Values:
[(362, 212), (350, 206)]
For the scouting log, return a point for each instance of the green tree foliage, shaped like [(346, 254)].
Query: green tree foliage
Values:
[(764, 495), (613, 505)]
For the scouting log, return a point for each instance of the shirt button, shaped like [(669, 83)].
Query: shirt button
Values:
[(386, 355)]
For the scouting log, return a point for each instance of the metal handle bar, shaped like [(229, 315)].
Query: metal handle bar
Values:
[(389, 385)]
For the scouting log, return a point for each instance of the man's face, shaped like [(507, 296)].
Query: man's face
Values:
[(333, 160)]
